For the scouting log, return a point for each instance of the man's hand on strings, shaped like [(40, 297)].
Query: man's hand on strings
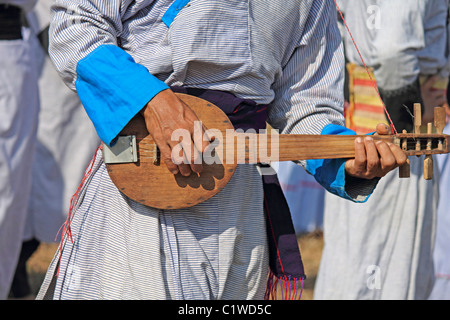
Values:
[(374, 158), (166, 113)]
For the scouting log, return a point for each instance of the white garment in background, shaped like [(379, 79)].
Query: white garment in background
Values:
[(19, 107), (399, 39), (382, 249), (441, 289)]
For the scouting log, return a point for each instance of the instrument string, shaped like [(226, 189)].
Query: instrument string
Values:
[(374, 84), (241, 152)]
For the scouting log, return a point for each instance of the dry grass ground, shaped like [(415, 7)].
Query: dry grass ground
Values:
[(311, 245)]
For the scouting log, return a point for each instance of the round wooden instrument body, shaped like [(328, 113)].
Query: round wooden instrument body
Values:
[(151, 183)]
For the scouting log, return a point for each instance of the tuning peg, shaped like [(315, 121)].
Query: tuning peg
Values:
[(439, 123), (439, 119), (405, 170), (428, 162), (417, 122), (428, 167), (417, 117)]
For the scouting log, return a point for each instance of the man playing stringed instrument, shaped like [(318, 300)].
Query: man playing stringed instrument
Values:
[(129, 57)]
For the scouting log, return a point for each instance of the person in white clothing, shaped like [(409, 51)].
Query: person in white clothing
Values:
[(19, 107), (66, 142), (382, 249)]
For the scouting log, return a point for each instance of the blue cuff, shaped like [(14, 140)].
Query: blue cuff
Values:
[(330, 173), (113, 89), (173, 10)]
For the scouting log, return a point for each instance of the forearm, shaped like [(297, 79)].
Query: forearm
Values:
[(310, 101)]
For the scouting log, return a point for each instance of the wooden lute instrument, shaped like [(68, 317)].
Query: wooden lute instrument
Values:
[(135, 167)]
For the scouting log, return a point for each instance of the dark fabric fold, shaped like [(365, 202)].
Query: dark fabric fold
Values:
[(10, 22)]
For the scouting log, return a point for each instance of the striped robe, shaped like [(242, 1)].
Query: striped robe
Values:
[(217, 249), (19, 108)]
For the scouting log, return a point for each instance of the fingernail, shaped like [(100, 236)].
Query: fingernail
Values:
[(359, 140), (368, 138)]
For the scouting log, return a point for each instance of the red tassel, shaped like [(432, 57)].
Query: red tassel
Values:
[(67, 231), (292, 289)]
